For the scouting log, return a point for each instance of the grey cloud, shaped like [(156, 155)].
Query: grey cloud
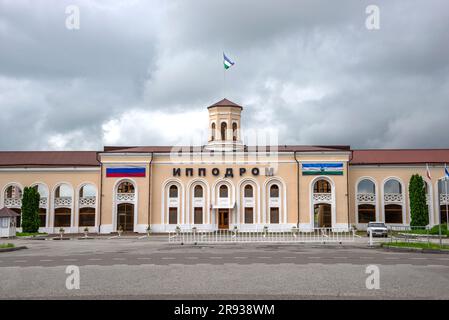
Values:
[(309, 68)]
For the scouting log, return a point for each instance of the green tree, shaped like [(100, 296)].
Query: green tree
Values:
[(30, 210), (418, 207)]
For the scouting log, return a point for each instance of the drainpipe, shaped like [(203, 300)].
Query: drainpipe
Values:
[(100, 198), (297, 190), (149, 189)]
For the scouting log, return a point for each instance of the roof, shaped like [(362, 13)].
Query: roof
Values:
[(168, 149), (48, 158), (225, 103), (6, 212), (399, 156)]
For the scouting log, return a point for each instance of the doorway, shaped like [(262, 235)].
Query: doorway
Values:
[(223, 219), (323, 216), (125, 216)]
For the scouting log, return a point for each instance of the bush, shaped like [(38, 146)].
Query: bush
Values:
[(418, 207), (30, 210), (435, 230)]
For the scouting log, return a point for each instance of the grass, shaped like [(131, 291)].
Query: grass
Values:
[(433, 231), (6, 245), (30, 234), (419, 245)]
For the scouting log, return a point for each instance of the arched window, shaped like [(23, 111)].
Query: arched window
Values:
[(87, 190), (248, 191), (223, 130), (13, 192), (392, 186), (274, 191), (87, 201), (43, 194), (42, 190), (198, 191), (223, 191), (125, 187), (322, 186), (366, 186), (213, 132), (63, 191), (63, 205), (234, 131), (173, 192)]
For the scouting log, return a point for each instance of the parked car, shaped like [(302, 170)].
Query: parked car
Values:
[(377, 228)]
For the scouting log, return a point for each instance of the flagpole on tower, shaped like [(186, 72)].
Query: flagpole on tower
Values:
[(227, 63)]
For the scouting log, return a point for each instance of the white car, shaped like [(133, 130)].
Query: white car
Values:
[(377, 228)]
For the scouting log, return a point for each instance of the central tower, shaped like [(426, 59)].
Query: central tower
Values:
[(224, 126)]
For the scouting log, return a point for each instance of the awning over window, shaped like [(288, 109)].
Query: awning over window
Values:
[(223, 205)]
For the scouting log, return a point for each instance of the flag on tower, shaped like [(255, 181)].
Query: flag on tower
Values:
[(446, 172), (428, 172), (227, 62)]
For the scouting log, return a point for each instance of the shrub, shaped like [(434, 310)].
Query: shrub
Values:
[(30, 210), (435, 230), (418, 207)]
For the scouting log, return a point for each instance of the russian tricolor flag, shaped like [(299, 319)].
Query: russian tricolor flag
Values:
[(125, 172)]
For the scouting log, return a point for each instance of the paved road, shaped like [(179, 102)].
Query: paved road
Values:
[(130, 268)]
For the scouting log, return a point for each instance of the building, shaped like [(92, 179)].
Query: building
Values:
[(222, 184)]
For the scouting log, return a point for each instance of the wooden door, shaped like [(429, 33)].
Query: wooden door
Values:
[(223, 218)]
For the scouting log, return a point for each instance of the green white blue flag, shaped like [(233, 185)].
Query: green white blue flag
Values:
[(227, 62)]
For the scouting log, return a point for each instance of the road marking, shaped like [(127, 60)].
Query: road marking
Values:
[(340, 257), (120, 259), (216, 257), (445, 259), (264, 257), (20, 261), (70, 259), (416, 258), (191, 257), (366, 257), (94, 259), (314, 257), (390, 258), (143, 258), (45, 260), (240, 257), (289, 257), (167, 258)]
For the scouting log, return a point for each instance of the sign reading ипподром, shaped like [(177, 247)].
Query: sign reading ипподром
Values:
[(228, 172), (313, 169)]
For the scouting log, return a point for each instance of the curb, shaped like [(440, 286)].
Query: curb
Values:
[(12, 249), (416, 250)]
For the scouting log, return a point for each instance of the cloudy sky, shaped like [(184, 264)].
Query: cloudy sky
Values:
[(143, 72)]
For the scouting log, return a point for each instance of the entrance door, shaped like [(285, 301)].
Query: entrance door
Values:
[(223, 218), (323, 216), (125, 216)]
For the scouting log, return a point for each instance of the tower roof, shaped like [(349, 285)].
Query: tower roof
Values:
[(225, 103)]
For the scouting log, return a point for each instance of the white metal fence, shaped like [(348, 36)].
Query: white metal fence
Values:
[(317, 235)]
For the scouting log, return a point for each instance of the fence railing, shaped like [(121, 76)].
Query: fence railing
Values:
[(317, 235)]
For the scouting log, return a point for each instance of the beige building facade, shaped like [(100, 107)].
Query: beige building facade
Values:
[(222, 184)]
